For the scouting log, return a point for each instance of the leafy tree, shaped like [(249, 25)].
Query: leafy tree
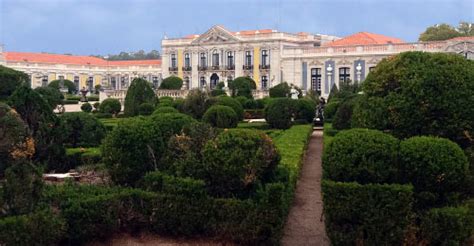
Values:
[(140, 55), (110, 106), (423, 94), (140, 91), (466, 28), (11, 79), (446, 31), (71, 88), (81, 129), (52, 96), (171, 83), (195, 103), (280, 90), (242, 86), (218, 90)]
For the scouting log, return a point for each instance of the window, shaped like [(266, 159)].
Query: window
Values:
[(187, 60), (203, 82), (154, 80), (44, 80), (61, 77), (90, 83), (113, 82), (186, 83), (230, 59), (264, 82), (316, 79), (203, 59), (215, 58), (76, 82), (173, 60), (344, 74), (123, 82), (265, 58), (248, 58)]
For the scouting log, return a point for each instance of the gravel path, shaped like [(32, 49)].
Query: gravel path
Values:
[(305, 224)]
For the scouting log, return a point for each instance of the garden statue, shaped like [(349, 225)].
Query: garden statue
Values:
[(319, 114), (294, 93), (84, 92)]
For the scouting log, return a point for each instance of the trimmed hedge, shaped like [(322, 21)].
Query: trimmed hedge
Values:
[(361, 155), (254, 114), (305, 110), (221, 116), (233, 103), (82, 129), (79, 156), (165, 109), (70, 101), (372, 214), (110, 106), (171, 83), (160, 182), (86, 107), (278, 113), (146, 109), (330, 109), (170, 124)]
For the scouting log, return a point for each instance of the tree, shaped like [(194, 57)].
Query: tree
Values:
[(446, 31), (82, 129), (242, 86), (110, 106), (171, 83), (422, 94), (140, 92), (195, 103), (11, 79), (71, 88), (280, 90), (52, 96)]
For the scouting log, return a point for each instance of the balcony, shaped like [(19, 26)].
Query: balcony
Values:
[(202, 68), (173, 69), (187, 68), (264, 66), (247, 67), (215, 68), (230, 67)]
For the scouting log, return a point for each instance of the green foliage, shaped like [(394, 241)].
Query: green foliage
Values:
[(242, 86), (237, 160), (305, 110), (160, 182), (332, 94), (171, 83), (86, 107), (42, 227), (423, 94), (361, 155), (138, 55), (139, 92), (234, 104), (165, 109), (241, 100), (221, 116), (14, 133), (82, 129), (369, 112), (71, 88), (81, 156), (96, 105), (51, 95), (447, 225), (278, 113), (97, 89), (195, 103), (132, 149), (436, 167), (11, 80), (178, 104), (170, 124), (254, 114), (331, 108), (219, 90), (446, 31), (343, 117), (280, 90), (146, 109), (110, 106), (371, 214), (166, 101)]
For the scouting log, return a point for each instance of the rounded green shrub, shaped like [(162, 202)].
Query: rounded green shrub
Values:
[(241, 100), (139, 92), (195, 103), (81, 129), (280, 90), (51, 95), (436, 167), (330, 109), (132, 149), (178, 104), (237, 160), (146, 109), (361, 155), (233, 103), (170, 124), (166, 102), (278, 113), (171, 83), (305, 110), (165, 109), (242, 86), (71, 88), (86, 107), (96, 105), (110, 106), (343, 117), (221, 116)]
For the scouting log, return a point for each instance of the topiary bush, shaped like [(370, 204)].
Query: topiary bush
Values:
[(233, 103), (110, 106), (436, 167), (132, 149), (171, 83), (165, 109), (170, 124), (343, 117), (369, 112), (242, 86), (86, 107), (330, 109), (361, 155), (237, 160), (81, 129), (146, 109), (280, 90), (221, 116), (425, 93), (139, 92), (305, 110), (278, 113)]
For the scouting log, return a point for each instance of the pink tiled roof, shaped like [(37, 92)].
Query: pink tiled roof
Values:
[(364, 38)]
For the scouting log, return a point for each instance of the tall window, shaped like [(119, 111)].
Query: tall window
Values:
[(265, 60), (215, 58), (344, 74), (316, 79), (264, 82), (44, 81), (186, 83), (113, 82), (203, 59), (76, 82), (248, 58), (230, 59), (61, 77), (202, 82), (90, 83), (187, 60), (173, 60), (154, 80)]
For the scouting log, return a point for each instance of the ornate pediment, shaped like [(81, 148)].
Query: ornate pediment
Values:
[(216, 34)]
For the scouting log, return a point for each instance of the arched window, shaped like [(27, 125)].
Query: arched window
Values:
[(264, 82), (215, 58), (344, 74), (230, 60), (316, 79), (187, 60), (202, 82)]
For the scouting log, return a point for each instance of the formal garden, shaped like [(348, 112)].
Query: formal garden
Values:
[(187, 167), (398, 162)]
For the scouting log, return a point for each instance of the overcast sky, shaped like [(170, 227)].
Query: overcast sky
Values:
[(109, 26)]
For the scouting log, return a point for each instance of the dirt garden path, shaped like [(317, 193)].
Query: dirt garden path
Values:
[(305, 224)]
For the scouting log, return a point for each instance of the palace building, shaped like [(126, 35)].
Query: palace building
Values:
[(310, 61)]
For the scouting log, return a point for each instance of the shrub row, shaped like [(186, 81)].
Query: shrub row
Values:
[(70, 101)]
